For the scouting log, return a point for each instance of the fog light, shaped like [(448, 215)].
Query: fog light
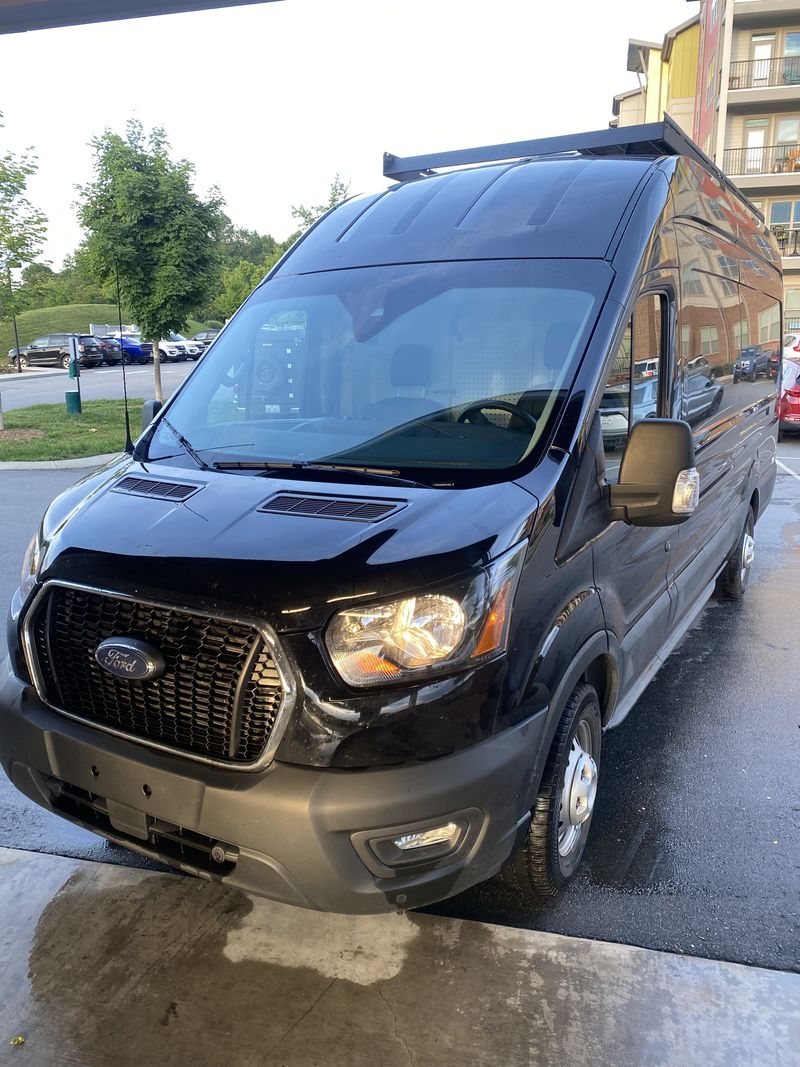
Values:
[(438, 835)]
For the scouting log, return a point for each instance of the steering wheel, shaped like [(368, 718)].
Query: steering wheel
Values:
[(499, 405)]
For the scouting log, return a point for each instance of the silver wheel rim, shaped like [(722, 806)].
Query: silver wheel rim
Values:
[(578, 791), (748, 553)]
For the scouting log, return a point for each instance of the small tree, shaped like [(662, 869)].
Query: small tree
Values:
[(22, 226), (307, 216), (148, 227)]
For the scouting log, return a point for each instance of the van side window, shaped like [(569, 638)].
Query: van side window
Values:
[(632, 388)]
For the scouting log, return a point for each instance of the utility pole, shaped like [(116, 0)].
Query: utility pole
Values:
[(13, 314)]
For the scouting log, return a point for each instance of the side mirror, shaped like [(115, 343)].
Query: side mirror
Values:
[(149, 411), (658, 482)]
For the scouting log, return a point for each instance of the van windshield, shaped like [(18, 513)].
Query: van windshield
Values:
[(435, 367)]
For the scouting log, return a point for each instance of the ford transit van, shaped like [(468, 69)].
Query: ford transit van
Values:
[(347, 627)]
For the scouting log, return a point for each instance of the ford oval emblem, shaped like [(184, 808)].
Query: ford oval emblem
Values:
[(129, 658)]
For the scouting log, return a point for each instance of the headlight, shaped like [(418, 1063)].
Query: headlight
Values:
[(30, 566), (399, 640)]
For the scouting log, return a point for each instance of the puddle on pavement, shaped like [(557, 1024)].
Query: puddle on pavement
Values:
[(114, 966)]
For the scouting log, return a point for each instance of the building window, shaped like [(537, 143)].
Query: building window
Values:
[(785, 213), (741, 334), (769, 324), (686, 334), (709, 340)]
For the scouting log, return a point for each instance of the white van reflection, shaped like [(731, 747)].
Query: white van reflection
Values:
[(614, 410)]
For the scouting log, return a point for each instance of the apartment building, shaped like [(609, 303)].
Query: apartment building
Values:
[(747, 114), (667, 75)]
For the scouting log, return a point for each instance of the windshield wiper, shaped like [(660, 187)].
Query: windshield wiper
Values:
[(378, 475), (187, 445)]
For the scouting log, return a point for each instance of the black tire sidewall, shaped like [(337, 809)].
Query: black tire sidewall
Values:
[(586, 707)]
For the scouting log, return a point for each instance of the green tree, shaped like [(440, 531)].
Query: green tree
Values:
[(307, 216), (146, 222), (22, 226)]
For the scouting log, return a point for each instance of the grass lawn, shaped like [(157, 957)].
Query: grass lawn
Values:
[(46, 431)]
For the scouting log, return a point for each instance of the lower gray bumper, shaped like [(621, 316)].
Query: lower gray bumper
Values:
[(291, 832)]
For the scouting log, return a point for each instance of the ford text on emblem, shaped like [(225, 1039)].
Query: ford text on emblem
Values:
[(127, 657)]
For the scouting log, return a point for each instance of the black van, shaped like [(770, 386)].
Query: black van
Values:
[(346, 628)]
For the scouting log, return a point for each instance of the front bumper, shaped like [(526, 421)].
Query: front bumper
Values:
[(291, 833)]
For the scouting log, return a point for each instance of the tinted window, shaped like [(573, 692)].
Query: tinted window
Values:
[(632, 385), (454, 366)]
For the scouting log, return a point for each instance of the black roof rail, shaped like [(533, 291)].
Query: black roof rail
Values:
[(651, 139)]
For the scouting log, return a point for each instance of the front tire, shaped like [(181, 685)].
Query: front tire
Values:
[(562, 814), (734, 579)]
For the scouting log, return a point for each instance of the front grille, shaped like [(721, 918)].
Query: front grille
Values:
[(218, 697), (165, 841)]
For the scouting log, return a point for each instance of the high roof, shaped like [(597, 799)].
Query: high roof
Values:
[(19, 15), (560, 207)]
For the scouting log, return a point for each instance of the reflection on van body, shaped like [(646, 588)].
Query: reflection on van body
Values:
[(348, 625)]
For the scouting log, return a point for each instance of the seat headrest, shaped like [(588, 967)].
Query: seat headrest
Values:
[(411, 365)]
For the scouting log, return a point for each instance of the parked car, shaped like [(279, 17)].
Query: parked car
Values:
[(773, 365), (353, 642), (205, 337), (753, 360), (111, 349), (702, 397), (176, 348), (614, 407), (788, 408), (134, 349), (54, 349)]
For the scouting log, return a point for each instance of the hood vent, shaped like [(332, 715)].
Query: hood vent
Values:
[(356, 509), (175, 491)]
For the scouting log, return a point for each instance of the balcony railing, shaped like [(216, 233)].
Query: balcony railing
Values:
[(759, 73), (770, 159), (788, 240)]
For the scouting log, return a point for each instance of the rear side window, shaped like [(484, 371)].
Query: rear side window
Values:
[(633, 384)]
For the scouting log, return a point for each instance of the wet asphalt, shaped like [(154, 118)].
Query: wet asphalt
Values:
[(695, 844)]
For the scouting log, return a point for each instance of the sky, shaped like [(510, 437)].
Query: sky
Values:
[(270, 101)]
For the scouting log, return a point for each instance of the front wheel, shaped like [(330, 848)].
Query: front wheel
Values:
[(733, 581), (562, 814)]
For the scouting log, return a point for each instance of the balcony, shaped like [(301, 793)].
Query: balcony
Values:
[(764, 73), (771, 170), (788, 240)]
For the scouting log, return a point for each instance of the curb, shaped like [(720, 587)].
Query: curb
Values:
[(79, 463), (25, 376)]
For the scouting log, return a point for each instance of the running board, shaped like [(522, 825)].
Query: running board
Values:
[(651, 670)]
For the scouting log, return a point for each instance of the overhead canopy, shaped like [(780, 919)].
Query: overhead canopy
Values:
[(18, 15)]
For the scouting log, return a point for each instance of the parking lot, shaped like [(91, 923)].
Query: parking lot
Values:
[(99, 383), (696, 838)]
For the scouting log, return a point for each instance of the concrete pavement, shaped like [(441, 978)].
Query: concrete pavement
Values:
[(108, 965)]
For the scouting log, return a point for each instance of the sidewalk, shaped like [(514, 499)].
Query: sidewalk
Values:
[(110, 965)]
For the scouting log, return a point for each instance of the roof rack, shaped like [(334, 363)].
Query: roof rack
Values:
[(652, 139)]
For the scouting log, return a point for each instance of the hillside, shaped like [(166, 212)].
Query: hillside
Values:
[(71, 318)]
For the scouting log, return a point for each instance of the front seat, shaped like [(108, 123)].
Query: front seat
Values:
[(411, 369)]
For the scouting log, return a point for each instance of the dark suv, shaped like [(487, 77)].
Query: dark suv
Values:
[(54, 349), (752, 361)]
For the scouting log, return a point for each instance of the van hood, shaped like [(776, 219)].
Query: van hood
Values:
[(218, 550)]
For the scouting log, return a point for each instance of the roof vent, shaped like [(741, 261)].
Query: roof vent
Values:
[(355, 509), (176, 491)]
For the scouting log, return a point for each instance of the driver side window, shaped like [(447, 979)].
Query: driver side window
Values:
[(632, 387)]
